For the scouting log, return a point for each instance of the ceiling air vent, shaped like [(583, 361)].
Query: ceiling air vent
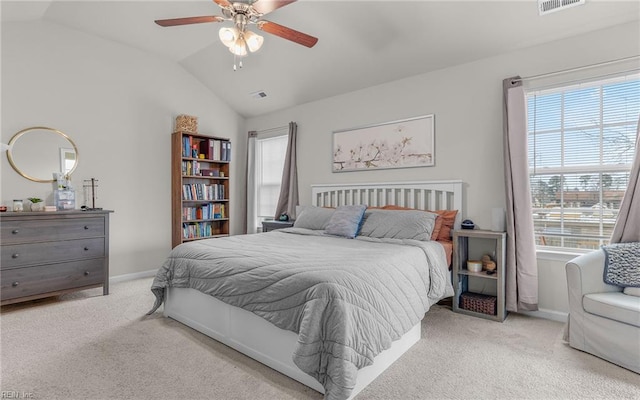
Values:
[(258, 95), (549, 6)]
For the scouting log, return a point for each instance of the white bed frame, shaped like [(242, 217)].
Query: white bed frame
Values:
[(272, 346)]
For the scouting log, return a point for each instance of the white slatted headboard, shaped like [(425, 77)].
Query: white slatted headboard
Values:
[(433, 195)]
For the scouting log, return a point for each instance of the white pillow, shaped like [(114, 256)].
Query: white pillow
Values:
[(311, 217), (398, 224), (345, 221), (632, 291)]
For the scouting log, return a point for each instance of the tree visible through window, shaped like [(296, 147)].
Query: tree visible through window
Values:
[(581, 141)]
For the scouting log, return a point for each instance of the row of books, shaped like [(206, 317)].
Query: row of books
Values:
[(201, 191), (210, 149), (207, 211), (199, 230), (195, 168)]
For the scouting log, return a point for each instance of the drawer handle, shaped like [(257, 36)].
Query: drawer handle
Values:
[(15, 231), (15, 255), (86, 273), (86, 248), (86, 227), (14, 284)]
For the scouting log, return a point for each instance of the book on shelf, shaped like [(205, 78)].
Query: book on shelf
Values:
[(201, 191), (187, 146), (204, 212), (196, 230)]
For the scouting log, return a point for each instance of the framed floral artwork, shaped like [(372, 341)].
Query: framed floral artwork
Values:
[(397, 144)]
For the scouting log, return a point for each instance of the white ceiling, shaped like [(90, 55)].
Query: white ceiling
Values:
[(361, 43)]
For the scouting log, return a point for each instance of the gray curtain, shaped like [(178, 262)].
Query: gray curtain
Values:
[(250, 216), (521, 264), (627, 227), (288, 199)]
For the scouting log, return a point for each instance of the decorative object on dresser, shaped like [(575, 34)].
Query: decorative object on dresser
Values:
[(273, 225), (199, 202), (63, 194), (90, 187), (18, 206), (37, 204), (479, 276), (47, 254)]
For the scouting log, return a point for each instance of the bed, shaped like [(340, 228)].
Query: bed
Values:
[(330, 312)]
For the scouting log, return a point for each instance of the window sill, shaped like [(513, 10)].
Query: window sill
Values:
[(562, 255)]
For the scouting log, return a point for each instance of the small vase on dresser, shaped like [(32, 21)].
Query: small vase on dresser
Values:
[(37, 207)]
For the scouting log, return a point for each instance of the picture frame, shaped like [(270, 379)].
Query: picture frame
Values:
[(406, 143)]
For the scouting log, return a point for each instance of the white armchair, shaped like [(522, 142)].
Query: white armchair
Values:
[(603, 320)]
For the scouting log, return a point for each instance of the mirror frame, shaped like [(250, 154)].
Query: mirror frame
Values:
[(26, 130)]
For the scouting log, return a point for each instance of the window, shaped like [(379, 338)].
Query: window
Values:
[(270, 155), (581, 141)]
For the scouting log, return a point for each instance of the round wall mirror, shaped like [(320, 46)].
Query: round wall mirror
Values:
[(37, 152)]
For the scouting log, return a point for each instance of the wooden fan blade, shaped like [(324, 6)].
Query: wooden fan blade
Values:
[(266, 6), (222, 3), (287, 33), (188, 20)]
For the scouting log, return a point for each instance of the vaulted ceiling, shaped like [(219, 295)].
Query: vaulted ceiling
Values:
[(361, 43)]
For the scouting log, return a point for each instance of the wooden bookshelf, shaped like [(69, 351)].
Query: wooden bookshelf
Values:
[(199, 187)]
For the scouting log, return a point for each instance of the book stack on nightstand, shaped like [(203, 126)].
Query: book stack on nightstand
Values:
[(273, 225)]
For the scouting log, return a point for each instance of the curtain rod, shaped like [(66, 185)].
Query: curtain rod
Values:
[(564, 71), (277, 128)]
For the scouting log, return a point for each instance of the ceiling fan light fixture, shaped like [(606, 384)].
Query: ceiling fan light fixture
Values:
[(253, 40), (239, 47), (228, 36)]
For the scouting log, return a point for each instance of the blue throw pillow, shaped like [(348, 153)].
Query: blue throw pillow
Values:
[(345, 221)]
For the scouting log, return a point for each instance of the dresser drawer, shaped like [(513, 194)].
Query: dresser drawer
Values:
[(34, 230), (21, 282), (19, 255)]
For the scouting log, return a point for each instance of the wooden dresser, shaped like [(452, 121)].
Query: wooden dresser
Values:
[(49, 253)]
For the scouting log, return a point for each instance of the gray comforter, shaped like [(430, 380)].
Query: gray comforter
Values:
[(347, 299)]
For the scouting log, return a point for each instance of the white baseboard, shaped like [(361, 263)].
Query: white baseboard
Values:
[(547, 314), (135, 275)]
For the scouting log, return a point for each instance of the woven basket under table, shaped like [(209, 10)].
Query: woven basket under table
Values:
[(480, 303)]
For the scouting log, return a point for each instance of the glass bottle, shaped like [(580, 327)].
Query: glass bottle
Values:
[(18, 206)]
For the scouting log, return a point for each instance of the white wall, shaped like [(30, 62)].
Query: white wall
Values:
[(467, 103), (119, 105)]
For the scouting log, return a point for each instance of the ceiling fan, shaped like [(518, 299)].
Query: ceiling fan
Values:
[(243, 13)]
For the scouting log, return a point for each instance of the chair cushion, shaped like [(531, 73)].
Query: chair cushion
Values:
[(632, 291), (614, 305)]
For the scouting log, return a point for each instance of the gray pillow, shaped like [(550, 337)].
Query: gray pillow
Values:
[(398, 224), (345, 221), (310, 217)]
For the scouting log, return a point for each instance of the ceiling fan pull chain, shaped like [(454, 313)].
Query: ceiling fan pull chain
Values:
[(234, 63)]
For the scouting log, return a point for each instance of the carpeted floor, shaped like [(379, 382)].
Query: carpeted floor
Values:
[(88, 346)]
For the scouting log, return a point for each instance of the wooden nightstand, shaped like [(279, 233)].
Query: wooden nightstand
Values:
[(471, 244), (273, 225)]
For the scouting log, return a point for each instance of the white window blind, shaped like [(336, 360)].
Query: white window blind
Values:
[(581, 142), (270, 154)]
